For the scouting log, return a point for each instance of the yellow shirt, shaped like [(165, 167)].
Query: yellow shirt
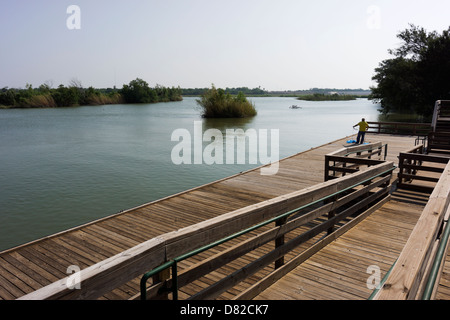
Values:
[(363, 126)]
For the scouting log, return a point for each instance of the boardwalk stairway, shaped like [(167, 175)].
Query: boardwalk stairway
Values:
[(439, 138)]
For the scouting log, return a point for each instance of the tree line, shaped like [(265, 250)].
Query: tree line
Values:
[(329, 97), (195, 92), (137, 91), (416, 76)]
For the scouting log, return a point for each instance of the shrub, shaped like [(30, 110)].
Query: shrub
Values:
[(216, 103)]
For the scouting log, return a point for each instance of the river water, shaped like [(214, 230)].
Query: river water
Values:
[(63, 167)]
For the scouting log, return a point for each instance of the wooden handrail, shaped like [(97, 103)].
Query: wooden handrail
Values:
[(375, 190), (407, 128), (437, 108), (102, 277), (411, 167), (408, 276), (356, 156)]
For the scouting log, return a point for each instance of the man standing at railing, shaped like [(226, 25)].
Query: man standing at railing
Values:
[(363, 126)]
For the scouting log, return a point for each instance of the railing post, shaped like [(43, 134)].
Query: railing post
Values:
[(332, 214), (175, 281), (279, 241), (163, 276), (400, 169), (327, 169)]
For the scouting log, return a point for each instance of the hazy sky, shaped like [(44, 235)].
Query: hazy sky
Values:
[(275, 44)]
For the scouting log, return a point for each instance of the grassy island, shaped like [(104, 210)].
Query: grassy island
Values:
[(327, 97), (215, 103)]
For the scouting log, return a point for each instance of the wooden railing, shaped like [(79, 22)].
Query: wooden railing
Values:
[(439, 138), (336, 207), (436, 112), (336, 200), (410, 276), (415, 166), (400, 128), (441, 110), (352, 159), (439, 142)]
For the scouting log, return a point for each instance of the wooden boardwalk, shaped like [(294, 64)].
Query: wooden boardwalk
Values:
[(37, 264), (342, 269), (443, 292)]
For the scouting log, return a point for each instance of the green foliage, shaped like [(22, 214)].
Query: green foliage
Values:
[(417, 75), (8, 97), (66, 97), (137, 91), (233, 91), (216, 103)]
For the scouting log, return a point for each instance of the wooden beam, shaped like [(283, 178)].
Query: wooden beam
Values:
[(106, 275)]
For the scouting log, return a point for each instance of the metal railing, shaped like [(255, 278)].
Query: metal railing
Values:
[(437, 263)]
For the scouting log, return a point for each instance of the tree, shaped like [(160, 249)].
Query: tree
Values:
[(138, 91), (7, 97), (417, 75), (65, 97)]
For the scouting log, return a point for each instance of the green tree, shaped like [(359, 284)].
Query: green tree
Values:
[(8, 97), (65, 97), (138, 91), (417, 75)]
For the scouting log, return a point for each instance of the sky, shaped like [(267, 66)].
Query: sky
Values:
[(272, 44)]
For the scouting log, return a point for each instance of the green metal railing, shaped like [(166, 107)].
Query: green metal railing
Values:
[(173, 263), (381, 284), (440, 254), (431, 281)]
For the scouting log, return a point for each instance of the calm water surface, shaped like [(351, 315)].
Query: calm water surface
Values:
[(63, 167)]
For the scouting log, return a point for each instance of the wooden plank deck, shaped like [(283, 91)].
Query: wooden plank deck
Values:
[(340, 270), (39, 263), (443, 292)]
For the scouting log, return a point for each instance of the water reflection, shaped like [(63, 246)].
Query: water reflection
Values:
[(223, 124)]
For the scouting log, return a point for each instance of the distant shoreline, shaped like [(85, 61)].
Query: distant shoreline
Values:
[(329, 97), (304, 98), (138, 91)]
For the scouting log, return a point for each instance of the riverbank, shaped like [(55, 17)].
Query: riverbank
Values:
[(137, 91), (329, 97)]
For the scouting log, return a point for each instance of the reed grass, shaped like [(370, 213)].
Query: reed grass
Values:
[(41, 101), (102, 99)]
